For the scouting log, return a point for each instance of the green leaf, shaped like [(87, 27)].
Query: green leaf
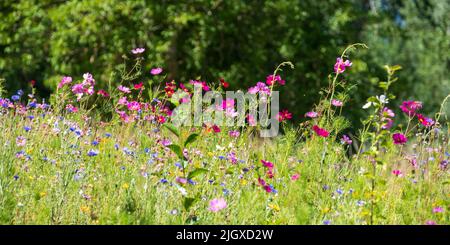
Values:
[(196, 172), (172, 129), (177, 150), (188, 202), (191, 139)]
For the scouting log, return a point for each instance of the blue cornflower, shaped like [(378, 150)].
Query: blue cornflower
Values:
[(92, 153), (326, 222), (16, 177), (178, 164), (192, 182), (222, 157), (339, 191), (226, 192), (20, 92), (32, 104), (163, 181), (122, 168), (15, 97), (31, 117), (95, 143), (27, 128), (108, 135)]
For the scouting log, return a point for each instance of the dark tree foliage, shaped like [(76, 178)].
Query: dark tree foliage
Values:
[(241, 41)]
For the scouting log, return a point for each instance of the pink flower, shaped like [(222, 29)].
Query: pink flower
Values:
[(134, 106), (397, 173), (156, 71), (386, 112), (295, 177), (261, 182), (311, 114), (438, 210), (340, 65), (103, 93), (346, 140), (217, 204), (320, 131), (430, 222), (411, 107), (123, 101), (272, 80), (21, 141), (387, 124), (251, 120), (234, 133), (399, 139), (284, 115), (267, 164), (336, 102), (64, 81), (425, 121), (181, 180), (260, 87), (204, 85), (138, 50), (124, 89), (71, 108)]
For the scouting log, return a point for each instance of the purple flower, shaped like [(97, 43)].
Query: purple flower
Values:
[(92, 153), (234, 133), (346, 140)]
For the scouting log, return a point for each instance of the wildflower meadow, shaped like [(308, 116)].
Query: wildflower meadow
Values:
[(152, 150)]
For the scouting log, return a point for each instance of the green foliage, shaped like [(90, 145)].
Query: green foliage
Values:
[(241, 41)]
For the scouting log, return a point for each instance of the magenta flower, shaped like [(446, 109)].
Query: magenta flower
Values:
[(103, 93), (124, 89), (311, 114), (399, 139), (320, 131), (430, 222), (234, 133), (267, 164), (260, 87), (336, 102), (438, 210), (134, 106), (272, 80), (138, 50), (216, 128), (156, 71), (295, 177), (340, 65), (397, 173), (425, 121), (411, 107), (346, 140), (204, 85), (64, 81), (284, 115), (217, 204)]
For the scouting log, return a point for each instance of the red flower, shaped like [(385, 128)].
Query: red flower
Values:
[(216, 128), (224, 83), (425, 121), (284, 115), (32, 83), (320, 131), (103, 93), (170, 88), (139, 86)]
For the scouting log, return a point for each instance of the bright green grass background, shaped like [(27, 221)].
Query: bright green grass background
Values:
[(46, 191)]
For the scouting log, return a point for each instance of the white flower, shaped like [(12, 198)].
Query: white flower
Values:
[(367, 105)]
